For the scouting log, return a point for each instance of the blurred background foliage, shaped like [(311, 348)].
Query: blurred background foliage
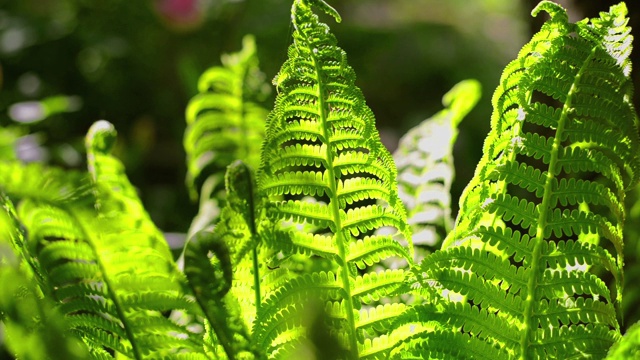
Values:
[(67, 63), (136, 64)]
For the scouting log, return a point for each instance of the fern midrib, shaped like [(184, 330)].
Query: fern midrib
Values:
[(252, 223), (335, 207), (110, 289), (254, 252), (241, 112), (543, 211)]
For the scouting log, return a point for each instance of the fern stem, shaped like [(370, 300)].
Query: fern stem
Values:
[(341, 237), (542, 217), (254, 253), (256, 278), (252, 223), (244, 128)]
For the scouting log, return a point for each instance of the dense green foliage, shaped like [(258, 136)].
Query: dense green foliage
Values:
[(308, 251)]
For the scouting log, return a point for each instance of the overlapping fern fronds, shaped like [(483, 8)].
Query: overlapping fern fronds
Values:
[(101, 260), (514, 272), (330, 183), (34, 329), (225, 122), (298, 262), (228, 286)]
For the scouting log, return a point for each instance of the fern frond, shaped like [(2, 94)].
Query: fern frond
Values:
[(225, 121), (330, 183), (239, 229), (115, 282), (514, 272), (281, 310), (379, 318), (628, 347), (116, 194), (46, 184), (425, 165), (447, 345), (371, 250), (222, 312), (34, 328)]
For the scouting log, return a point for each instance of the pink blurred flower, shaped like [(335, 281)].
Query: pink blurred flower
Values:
[(182, 14)]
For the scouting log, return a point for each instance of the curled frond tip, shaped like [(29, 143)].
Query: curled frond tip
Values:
[(101, 136), (557, 12), (328, 9)]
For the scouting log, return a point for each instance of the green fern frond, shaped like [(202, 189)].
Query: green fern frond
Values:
[(514, 272), (378, 319), (222, 311), (446, 345), (425, 165), (46, 184), (330, 185), (281, 310), (115, 194), (239, 229), (115, 282), (225, 121), (34, 328), (628, 347), (50, 186)]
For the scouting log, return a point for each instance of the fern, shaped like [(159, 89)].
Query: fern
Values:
[(221, 312), (425, 166), (225, 121), (321, 143), (514, 271), (298, 263), (631, 256)]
